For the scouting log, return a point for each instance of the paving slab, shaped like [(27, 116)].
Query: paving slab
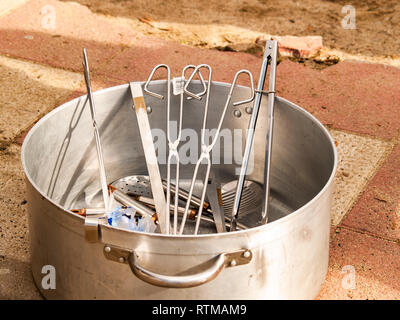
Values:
[(378, 210), (362, 267), (358, 159), (351, 96), (54, 33), (28, 91)]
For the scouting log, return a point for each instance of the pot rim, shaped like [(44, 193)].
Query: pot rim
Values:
[(268, 226)]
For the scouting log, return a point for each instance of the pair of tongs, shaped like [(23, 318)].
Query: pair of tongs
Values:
[(173, 144), (270, 58), (207, 148)]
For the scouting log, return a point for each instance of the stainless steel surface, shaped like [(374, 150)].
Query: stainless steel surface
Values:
[(91, 222), (150, 202), (224, 260), (204, 154), (272, 53), (92, 229), (290, 252), (227, 223), (150, 153), (214, 195), (184, 195), (250, 204), (99, 150), (250, 134), (139, 188), (173, 144), (206, 148), (140, 185)]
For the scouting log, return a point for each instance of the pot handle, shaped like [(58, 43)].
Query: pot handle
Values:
[(223, 260)]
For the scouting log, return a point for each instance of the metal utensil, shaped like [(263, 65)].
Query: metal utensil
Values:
[(150, 202), (138, 187), (145, 206), (273, 54), (126, 200), (303, 199), (214, 195), (270, 56), (91, 222), (99, 150), (89, 211), (184, 195), (207, 148), (173, 153), (150, 154)]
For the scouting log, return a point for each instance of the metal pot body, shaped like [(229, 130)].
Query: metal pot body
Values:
[(289, 254)]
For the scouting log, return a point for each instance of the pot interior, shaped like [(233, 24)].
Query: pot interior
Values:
[(60, 158)]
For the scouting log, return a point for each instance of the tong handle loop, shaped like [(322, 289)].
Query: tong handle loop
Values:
[(191, 66), (252, 92), (197, 69), (146, 85)]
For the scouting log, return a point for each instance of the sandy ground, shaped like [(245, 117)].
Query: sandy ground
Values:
[(237, 24)]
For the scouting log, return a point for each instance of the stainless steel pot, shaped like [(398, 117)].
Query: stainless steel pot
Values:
[(285, 259)]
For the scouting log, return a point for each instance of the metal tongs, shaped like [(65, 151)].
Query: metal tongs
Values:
[(91, 221), (172, 144), (270, 58), (207, 148)]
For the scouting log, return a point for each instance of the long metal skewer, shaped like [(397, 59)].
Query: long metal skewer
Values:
[(149, 201), (183, 195), (173, 148), (167, 202), (203, 154), (100, 159), (129, 202), (273, 47), (270, 52), (207, 148)]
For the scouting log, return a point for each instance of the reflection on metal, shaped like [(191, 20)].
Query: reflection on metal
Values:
[(224, 260)]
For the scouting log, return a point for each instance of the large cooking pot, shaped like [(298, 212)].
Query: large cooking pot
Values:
[(284, 259)]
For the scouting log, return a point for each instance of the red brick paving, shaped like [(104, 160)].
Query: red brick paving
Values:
[(378, 209), (376, 264), (137, 62), (25, 33), (352, 96)]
